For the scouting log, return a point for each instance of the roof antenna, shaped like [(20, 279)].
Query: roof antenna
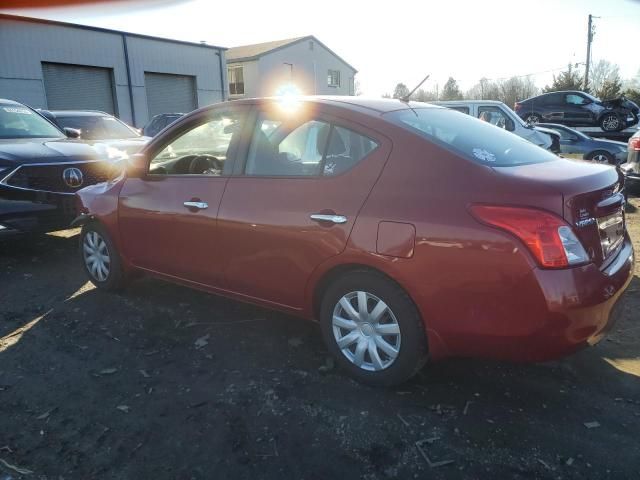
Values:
[(407, 97)]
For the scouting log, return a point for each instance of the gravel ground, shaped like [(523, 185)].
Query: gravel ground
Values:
[(164, 382)]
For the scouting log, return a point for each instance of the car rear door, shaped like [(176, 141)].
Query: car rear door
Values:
[(168, 218), (295, 201)]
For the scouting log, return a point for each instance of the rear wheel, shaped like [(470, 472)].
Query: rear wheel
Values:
[(600, 156), (373, 329), (533, 118), (611, 123), (100, 258)]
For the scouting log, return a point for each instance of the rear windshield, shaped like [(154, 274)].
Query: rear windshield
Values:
[(476, 140)]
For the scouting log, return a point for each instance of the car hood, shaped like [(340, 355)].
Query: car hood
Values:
[(29, 150), (128, 145)]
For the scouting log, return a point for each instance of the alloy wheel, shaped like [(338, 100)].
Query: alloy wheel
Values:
[(366, 331), (96, 256), (600, 158), (610, 122)]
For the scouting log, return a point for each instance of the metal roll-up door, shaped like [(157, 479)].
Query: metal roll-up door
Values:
[(75, 87), (169, 93)]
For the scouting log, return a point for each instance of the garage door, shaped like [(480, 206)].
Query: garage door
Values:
[(169, 93), (75, 87)]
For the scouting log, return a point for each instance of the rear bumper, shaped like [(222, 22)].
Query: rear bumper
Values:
[(566, 310), (23, 211)]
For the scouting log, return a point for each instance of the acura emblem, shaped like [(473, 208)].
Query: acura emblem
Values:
[(72, 177)]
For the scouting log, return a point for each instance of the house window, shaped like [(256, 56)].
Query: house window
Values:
[(236, 80), (333, 78)]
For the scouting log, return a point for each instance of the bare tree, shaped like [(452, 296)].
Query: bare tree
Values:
[(601, 73)]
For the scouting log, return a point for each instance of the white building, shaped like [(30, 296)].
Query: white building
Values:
[(64, 66), (265, 69)]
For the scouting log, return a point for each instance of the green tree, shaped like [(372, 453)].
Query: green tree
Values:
[(610, 88), (423, 95), (400, 91), (569, 79), (451, 91), (633, 94)]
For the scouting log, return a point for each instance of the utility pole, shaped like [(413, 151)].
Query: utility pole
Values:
[(590, 32)]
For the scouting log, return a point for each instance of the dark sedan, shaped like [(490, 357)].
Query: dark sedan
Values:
[(575, 108), (40, 171), (573, 142), (98, 128)]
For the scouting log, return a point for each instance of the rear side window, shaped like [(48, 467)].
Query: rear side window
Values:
[(469, 137), (314, 148), (460, 109)]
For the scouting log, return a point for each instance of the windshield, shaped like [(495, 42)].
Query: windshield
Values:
[(97, 127), (18, 121), (474, 139)]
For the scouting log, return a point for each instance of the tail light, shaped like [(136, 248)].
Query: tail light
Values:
[(634, 143), (548, 237)]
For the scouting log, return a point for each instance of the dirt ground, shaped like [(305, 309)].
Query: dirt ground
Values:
[(162, 382)]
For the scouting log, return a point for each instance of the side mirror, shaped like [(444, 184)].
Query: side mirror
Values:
[(137, 165), (510, 126), (72, 132)]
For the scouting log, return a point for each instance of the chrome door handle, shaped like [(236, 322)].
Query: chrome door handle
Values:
[(198, 205), (320, 217)]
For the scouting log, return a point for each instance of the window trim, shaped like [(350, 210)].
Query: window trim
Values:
[(187, 123), (330, 78), (229, 69)]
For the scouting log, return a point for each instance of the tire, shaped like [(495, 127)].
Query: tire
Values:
[(93, 239), (532, 118), (408, 348), (600, 156), (610, 122)]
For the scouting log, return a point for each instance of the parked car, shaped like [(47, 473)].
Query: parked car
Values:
[(159, 122), (99, 128), (40, 170), (354, 212), (592, 149), (575, 108), (631, 169), (498, 114)]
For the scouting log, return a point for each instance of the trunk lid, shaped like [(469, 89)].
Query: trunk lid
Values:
[(592, 201)]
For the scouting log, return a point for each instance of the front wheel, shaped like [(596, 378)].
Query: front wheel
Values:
[(100, 258), (373, 329), (601, 157), (611, 123)]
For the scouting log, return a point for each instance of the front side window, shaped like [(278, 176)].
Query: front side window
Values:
[(495, 116), (236, 80), (205, 149), (333, 78), (17, 121), (466, 136), (314, 148)]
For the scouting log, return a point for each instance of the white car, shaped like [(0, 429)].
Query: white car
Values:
[(498, 114)]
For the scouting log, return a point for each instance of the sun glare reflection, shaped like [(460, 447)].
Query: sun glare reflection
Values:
[(14, 337)]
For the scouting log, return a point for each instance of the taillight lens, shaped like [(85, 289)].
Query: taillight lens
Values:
[(634, 143), (549, 238)]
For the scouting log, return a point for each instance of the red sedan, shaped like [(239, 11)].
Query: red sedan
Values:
[(409, 231)]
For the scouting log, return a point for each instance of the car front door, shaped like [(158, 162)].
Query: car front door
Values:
[(575, 108), (295, 202), (168, 217)]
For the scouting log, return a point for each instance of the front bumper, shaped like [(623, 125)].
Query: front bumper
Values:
[(23, 211)]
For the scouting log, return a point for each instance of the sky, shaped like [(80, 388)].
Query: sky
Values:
[(390, 42)]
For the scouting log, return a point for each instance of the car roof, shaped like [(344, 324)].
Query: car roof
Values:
[(468, 102), (78, 113), (6, 101), (371, 105)]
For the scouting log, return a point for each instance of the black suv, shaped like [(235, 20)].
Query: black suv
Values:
[(575, 109), (40, 171)]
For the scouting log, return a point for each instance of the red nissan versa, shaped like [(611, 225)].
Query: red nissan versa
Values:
[(408, 231)]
